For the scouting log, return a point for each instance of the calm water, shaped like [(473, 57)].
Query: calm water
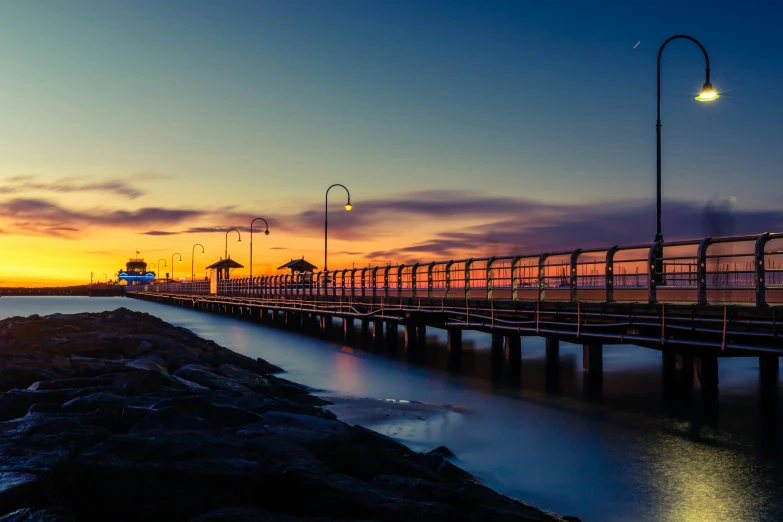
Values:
[(627, 452)]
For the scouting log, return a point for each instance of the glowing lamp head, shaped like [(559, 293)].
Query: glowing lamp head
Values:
[(180, 261), (202, 253), (266, 232), (348, 205), (708, 93), (239, 240)]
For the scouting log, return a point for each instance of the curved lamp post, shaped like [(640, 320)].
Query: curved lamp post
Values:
[(172, 263), (708, 93), (348, 206), (164, 264), (239, 240), (266, 232), (192, 255)]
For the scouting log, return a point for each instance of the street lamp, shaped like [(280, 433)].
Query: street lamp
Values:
[(708, 93), (192, 254), (107, 277), (238, 240), (164, 264), (348, 206), (266, 232), (172, 263)]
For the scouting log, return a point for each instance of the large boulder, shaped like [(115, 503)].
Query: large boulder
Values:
[(205, 377), (21, 377)]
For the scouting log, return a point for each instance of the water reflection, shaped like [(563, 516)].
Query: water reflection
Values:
[(635, 445)]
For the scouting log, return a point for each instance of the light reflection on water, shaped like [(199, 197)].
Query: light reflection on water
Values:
[(627, 453)]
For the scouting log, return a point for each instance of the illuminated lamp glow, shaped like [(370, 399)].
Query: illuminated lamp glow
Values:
[(708, 93)]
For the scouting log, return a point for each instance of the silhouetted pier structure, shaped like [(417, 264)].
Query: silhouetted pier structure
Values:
[(693, 300)]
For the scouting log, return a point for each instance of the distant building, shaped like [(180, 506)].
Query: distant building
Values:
[(298, 265), (135, 273)]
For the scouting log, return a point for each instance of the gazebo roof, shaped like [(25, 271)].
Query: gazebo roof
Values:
[(226, 263), (299, 265)]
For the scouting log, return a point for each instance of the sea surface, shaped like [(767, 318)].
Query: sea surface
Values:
[(627, 452)]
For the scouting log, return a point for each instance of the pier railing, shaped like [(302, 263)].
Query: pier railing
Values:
[(738, 269)]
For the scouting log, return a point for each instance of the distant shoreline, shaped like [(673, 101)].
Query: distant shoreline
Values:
[(95, 290)]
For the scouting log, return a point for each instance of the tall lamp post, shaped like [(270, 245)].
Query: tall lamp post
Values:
[(164, 264), (192, 255), (708, 93), (266, 232), (348, 206), (239, 240), (107, 277), (172, 263)]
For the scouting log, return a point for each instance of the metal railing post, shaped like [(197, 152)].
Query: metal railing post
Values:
[(542, 276), (468, 264), (374, 280), (386, 281), (490, 277), (364, 273), (701, 271), (413, 280), (399, 280), (609, 274), (448, 279), (654, 258), (429, 279), (515, 278), (574, 280), (759, 272)]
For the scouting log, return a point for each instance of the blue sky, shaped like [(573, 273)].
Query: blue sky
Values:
[(261, 105)]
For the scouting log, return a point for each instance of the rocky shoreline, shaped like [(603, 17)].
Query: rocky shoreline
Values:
[(121, 416)]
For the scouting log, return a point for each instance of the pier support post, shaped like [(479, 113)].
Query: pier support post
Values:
[(593, 367), (411, 337), (686, 372), (592, 358), (669, 368), (391, 335), (514, 355), (497, 342), (364, 331), (768, 372), (552, 365), (454, 339), (348, 329), (421, 335), (326, 326), (377, 332), (708, 376)]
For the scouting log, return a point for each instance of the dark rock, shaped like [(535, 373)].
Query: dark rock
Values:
[(442, 451), (160, 421), (63, 384), (247, 378), (18, 490), (251, 514), (21, 377), (37, 441), (203, 376), (311, 432), (144, 382), (40, 515)]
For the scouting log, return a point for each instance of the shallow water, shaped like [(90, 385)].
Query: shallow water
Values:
[(625, 452)]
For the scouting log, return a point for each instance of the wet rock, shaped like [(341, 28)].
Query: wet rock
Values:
[(40, 515), (18, 489), (250, 514), (127, 418), (21, 377), (442, 451), (203, 376)]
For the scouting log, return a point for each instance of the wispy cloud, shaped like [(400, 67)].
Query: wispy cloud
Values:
[(23, 184)]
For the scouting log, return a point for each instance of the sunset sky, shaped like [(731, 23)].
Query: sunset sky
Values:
[(460, 128)]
